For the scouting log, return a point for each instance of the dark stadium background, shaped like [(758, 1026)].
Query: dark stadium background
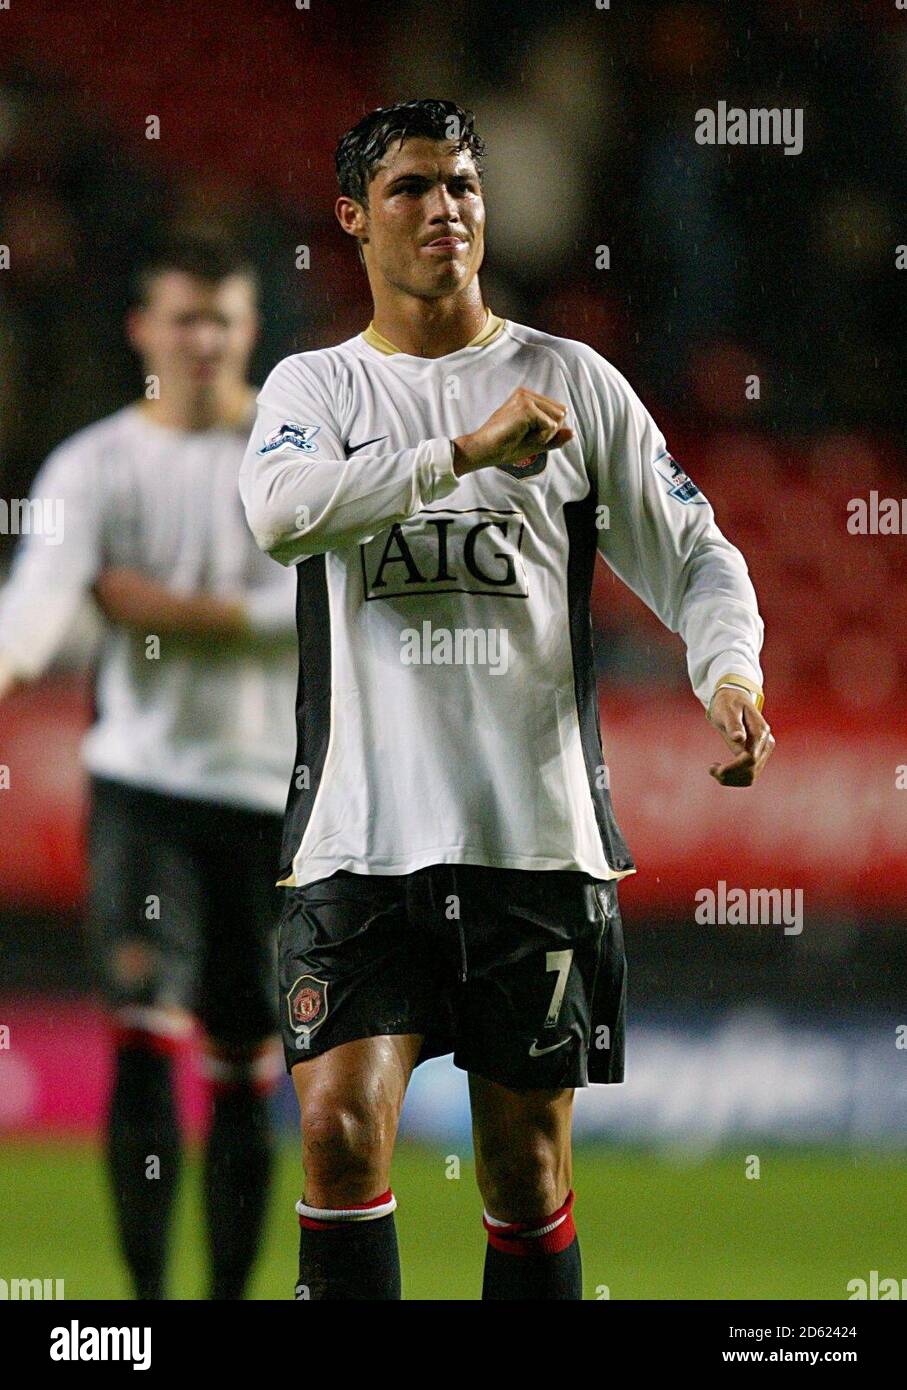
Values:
[(724, 263)]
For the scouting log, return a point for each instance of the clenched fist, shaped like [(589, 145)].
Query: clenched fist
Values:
[(525, 424)]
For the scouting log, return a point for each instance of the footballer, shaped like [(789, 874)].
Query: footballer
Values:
[(189, 751), (450, 851)]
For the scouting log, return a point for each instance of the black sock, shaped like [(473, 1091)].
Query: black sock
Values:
[(142, 1126), (533, 1259), (343, 1255), (238, 1162)]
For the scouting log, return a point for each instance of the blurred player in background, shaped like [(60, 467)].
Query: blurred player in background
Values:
[(190, 750), (443, 481)]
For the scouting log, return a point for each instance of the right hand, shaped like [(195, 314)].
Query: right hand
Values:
[(525, 424)]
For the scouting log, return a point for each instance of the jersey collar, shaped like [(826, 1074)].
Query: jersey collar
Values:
[(486, 334)]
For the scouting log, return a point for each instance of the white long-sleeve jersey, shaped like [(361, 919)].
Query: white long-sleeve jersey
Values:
[(188, 718), (447, 706)]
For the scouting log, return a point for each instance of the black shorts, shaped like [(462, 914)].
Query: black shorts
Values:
[(182, 906), (521, 974)]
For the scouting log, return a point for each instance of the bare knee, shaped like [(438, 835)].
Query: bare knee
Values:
[(133, 964), (346, 1148), (349, 1104), (523, 1180), (523, 1152)]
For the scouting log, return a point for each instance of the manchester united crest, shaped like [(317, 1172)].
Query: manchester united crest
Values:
[(526, 468), (307, 1002)]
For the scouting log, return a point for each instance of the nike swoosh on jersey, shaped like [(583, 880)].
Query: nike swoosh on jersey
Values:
[(536, 1051), (354, 448)]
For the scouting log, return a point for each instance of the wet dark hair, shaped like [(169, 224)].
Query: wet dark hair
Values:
[(205, 255), (361, 150)]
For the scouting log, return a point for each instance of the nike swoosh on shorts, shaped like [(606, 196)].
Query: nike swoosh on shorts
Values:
[(536, 1051)]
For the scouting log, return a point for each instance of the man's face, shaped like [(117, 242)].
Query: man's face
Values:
[(196, 335), (424, 227)]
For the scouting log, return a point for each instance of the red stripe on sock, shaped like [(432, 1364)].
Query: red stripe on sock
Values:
[(225, 1088), (316, 1224), (163, 1044), (514, 1240), (375, 1202)]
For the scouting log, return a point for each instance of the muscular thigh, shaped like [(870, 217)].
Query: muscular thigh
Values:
[(367, 1076)]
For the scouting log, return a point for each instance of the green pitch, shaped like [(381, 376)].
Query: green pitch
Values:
[(650, 1226)]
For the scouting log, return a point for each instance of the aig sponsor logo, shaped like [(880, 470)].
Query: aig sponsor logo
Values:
[(447, 552)]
